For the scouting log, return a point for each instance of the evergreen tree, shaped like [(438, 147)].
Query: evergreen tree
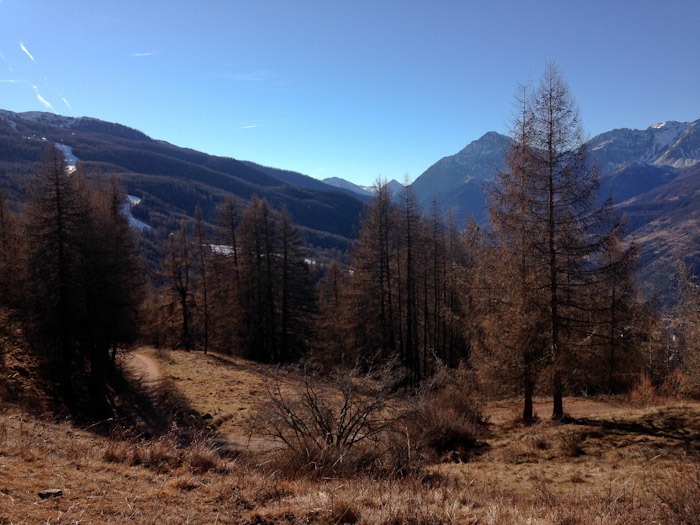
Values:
[(404, 291), (373, 294), (226, 292), (113, 286), (297, 308), (276, 294), (259, 299)]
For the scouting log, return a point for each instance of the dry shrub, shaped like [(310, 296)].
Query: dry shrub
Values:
[(344, 512), (164, 455), (643, 393), (352, 423), (342, 424), (200, 458), (679, 495), (680, 384), (449, 421), (570, 445), (117, 452)]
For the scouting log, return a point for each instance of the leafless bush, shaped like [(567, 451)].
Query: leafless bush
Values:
[(680, 384), (449, 420), (570, 445), (336, 424), (349, 422)]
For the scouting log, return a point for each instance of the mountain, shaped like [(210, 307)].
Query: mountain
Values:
[(653, 176), (458, 182), (349, 186), (395, 187), (672, 144), (663, 222), (170, 180), (631, 162)]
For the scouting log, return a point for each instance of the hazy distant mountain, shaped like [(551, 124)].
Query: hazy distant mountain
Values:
[(395, 187), (631, 162), (664, 224), (171, 180), (350, 186)]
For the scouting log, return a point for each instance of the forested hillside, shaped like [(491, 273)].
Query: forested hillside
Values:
[(170, 181)]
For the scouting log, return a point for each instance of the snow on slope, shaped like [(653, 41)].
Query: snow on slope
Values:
[(132, 200), (71, 159)]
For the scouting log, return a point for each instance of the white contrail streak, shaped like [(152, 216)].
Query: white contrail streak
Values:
[(45, 102), (24, 48)]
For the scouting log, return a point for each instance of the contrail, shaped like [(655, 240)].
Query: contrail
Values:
[(24, 48)]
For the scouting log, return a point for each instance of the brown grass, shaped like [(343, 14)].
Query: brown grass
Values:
[(611, 464)]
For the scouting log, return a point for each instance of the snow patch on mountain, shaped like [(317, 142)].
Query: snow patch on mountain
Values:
[(71, 159), (222, 249), (666, 133), (48, 118), (131, 201), (602, 145)]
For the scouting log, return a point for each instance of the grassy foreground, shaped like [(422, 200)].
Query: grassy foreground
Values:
[(611, 463)]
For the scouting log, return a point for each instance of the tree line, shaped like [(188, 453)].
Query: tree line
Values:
[(69, 268)]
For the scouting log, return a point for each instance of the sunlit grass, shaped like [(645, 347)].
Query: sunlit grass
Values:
[(611, 464)]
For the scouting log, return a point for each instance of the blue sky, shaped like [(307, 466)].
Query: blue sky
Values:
[(358, 90)]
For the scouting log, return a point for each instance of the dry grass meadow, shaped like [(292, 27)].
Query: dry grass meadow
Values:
[(610, 462)]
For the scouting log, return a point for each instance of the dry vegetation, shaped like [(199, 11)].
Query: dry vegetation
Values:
[(611, 462)]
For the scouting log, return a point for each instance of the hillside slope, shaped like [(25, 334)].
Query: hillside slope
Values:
[(624, 463), (171, 180)]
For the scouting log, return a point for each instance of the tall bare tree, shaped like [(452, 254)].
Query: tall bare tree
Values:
[(514, 333), (179, 272), (9, 250), (202, 259), (57, 227), (547, 216), (373, 293)]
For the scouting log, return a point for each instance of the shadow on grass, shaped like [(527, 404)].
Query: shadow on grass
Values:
[(150, 411), (677, 427), (147, 411)]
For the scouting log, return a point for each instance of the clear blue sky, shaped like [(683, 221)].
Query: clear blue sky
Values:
[(356, 89)]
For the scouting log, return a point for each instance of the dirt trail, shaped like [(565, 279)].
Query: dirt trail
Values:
[(144, 369)]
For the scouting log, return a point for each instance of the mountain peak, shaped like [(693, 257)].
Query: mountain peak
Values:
[(668, 124)]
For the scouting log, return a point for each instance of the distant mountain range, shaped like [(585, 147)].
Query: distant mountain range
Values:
[(653, 176), (366, 191)]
